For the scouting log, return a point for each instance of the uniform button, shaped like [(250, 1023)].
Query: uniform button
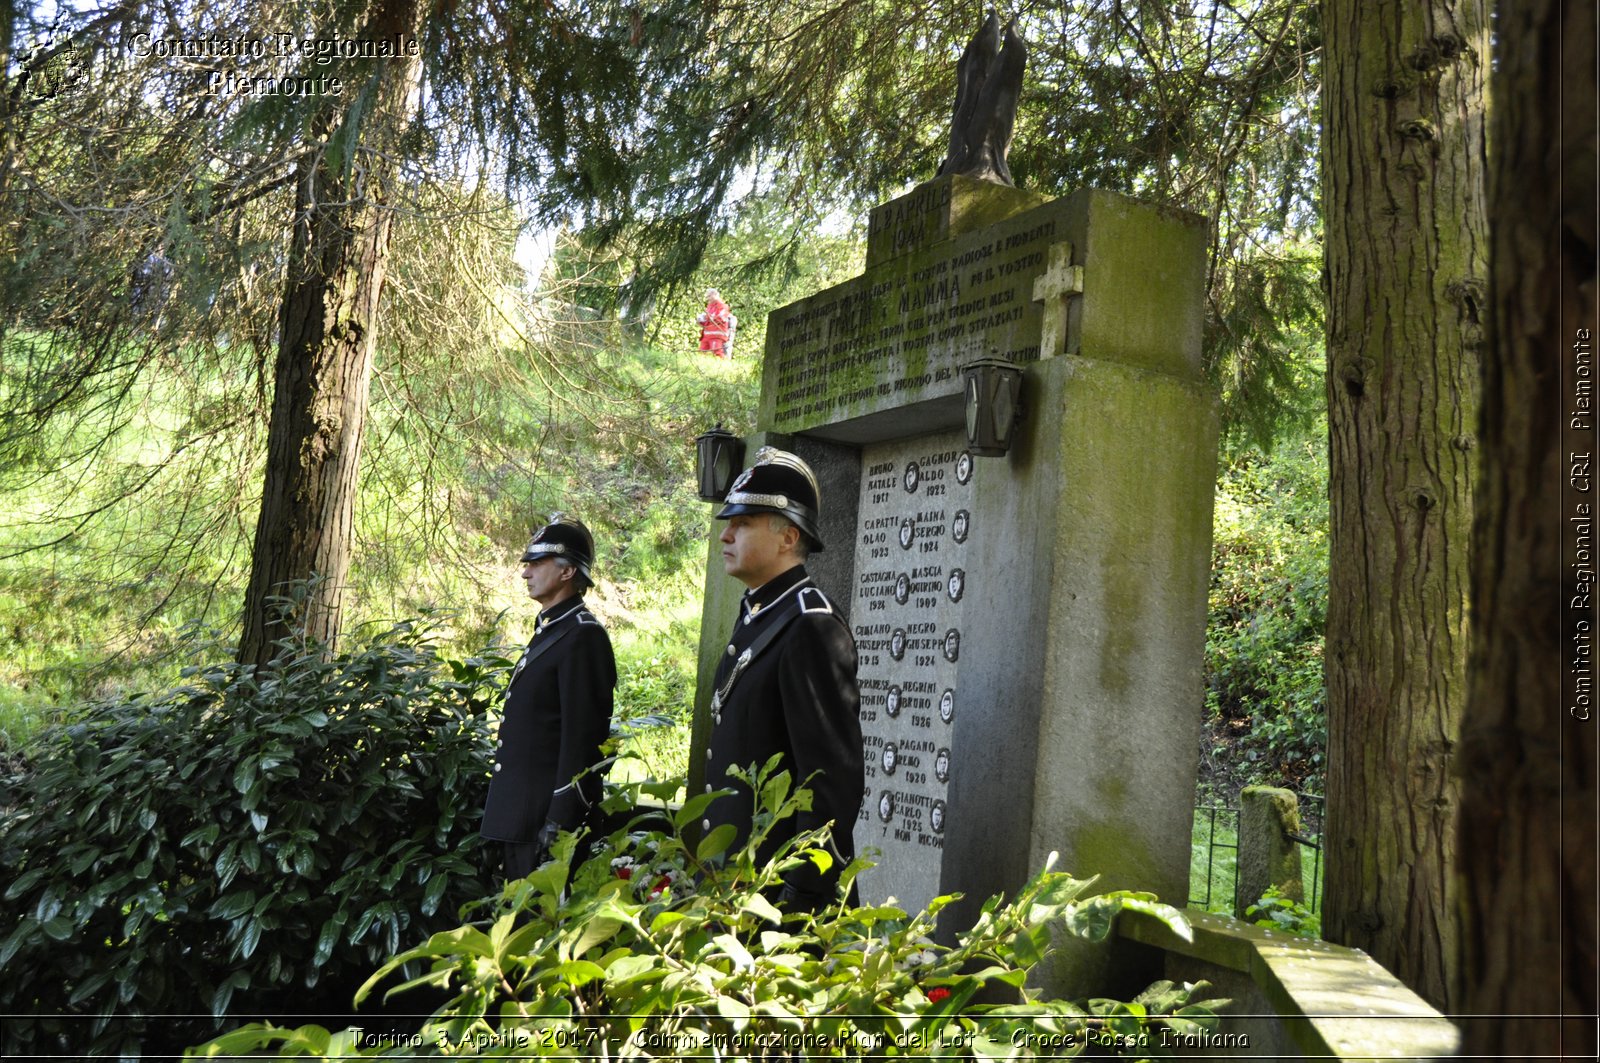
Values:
[(705, 824), (731, 650), (716, 717), (498, 765), (708, 754), (708, 788)]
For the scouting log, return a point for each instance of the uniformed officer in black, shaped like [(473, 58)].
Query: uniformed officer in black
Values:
[(787, 683), (557, 709)]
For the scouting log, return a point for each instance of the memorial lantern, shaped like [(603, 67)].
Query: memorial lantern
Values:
[(994, 404), (718, 455)]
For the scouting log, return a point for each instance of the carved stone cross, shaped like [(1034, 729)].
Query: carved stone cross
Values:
[(1059, 282)]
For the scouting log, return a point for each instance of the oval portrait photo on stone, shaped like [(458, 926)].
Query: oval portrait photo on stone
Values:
[(957, 584), (936, 817), (902, 589), (891, 702), (959, 525), (908, 531), (891, 757), (886, 806), (941, 765), (912, 478), (897, 644), (952, 645), (964, 468), (947, 705)]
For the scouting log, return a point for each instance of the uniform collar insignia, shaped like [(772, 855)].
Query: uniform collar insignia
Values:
[(559, 611), (760, 601)]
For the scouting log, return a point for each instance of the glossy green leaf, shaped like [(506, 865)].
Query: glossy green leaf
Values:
[(693, 810), (23, 883), (58, 929), (717, 842), (580, 972), (762, 908), (629, 966), (325, 942), (597, 931)]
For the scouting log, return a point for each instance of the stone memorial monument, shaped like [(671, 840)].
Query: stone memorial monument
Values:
[(1030, 627)]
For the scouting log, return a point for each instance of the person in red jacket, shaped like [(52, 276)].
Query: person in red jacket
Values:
[(716, 325)]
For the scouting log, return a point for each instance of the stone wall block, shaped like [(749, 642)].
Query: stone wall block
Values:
[(1268, 854)]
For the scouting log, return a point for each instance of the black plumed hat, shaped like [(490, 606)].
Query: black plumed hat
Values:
[(564, 537), (781, 483)]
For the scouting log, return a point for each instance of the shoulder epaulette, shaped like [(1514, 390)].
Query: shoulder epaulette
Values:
[(586, 617), (812, 600)]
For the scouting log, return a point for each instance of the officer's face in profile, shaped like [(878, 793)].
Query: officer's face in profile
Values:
[(756, 548)]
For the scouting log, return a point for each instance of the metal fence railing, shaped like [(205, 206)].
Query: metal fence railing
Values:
[(1214, 858), (1229, 870), (1313, 807)]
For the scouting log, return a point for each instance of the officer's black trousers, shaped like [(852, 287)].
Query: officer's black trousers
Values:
[(521, 859)]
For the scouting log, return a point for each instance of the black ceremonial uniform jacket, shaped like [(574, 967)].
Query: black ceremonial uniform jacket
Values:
[(557, 712), (797, 697)]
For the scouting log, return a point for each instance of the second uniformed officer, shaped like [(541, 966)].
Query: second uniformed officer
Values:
[(557, 709), (787, 683)]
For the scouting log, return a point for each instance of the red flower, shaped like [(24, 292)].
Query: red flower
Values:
[(624, 872), (938, 994), (661, 883)]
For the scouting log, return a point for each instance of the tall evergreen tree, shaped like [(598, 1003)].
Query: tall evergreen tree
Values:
[(338, 257), (1529, 764), (1406, 256), (254, 159)]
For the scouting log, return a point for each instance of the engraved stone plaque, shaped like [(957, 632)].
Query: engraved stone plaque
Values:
[(912, 575)]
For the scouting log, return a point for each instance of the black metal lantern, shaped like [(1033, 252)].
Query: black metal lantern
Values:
[(718, 456), (994, 404)]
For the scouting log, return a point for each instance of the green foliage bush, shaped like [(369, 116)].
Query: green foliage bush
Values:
[(243, 837), (1269, 607), (654, 947), (1276, 912)]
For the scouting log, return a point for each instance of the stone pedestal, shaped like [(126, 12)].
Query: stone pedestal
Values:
[(1268, 854)]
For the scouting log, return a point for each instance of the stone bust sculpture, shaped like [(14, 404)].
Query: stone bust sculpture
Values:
[(988, 85)]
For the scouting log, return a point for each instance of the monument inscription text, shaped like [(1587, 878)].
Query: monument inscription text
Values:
[(911, 579), (899, 333)]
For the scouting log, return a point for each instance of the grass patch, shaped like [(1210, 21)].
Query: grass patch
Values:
[(1214, 859)]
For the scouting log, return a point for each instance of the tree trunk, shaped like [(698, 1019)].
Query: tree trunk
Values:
[(337, 259), (1529, 763), (1406, 248)]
